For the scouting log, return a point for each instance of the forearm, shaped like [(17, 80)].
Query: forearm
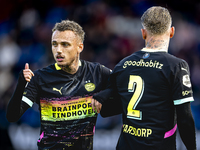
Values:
[(187, 133), (110, 101), (104, 95), (186, 126), (111, 108), (14, 108)]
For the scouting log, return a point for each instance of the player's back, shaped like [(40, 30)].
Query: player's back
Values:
[(145, 81)]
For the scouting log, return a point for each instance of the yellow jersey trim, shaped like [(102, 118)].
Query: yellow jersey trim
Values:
[(58, 68)]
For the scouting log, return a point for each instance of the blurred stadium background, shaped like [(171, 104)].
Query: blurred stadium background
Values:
[(112, 32)]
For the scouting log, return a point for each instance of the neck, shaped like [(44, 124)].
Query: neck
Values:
[(72, 68), (157, 43)]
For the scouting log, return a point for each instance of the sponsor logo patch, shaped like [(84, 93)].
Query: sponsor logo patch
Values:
[(184, 93), (186, 81)]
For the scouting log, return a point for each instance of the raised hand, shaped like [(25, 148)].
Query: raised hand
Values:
[(27, 73)]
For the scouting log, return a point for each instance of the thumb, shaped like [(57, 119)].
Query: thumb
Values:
[(26, 66)]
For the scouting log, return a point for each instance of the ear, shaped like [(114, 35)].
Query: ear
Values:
[(172, 32), (144, 34), (80, 47)]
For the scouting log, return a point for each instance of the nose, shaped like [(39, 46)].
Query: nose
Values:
[(59, 49)]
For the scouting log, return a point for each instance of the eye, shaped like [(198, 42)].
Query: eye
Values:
[(65, 44), (54, 44)]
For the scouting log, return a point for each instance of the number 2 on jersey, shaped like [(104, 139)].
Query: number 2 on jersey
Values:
[(135, 85)]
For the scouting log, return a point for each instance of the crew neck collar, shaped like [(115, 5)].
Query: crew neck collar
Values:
[(153, 50)]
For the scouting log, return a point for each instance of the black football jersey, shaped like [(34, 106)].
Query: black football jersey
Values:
[(150, 83), (67, 119)]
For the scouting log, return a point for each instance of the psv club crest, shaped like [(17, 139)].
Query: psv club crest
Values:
[(89, 86)]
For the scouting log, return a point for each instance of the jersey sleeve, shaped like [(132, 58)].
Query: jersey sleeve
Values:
[(16, 107), (182, 87), (31, 91), (109, 98), (105, 75), (108, 90)]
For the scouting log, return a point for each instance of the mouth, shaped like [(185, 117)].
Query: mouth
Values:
[(59, 58)]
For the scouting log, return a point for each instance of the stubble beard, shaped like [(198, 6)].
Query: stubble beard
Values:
[(72, 67)]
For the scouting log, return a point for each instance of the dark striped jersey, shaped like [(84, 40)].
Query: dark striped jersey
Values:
[(67, 119), (150, 84)]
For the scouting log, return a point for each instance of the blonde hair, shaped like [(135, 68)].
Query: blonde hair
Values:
[(157, 20), (72, 26)]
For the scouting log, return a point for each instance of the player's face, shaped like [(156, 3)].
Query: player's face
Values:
[(66, 47)]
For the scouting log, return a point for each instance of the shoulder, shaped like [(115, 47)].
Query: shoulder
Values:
[(45, 70), (176, 62), (93, 66), (133, 56), (90, 64), (173, 58), (119, 66)]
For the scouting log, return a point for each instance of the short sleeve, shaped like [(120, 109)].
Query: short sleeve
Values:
[(105, 75), (31, 92), (182, 87)]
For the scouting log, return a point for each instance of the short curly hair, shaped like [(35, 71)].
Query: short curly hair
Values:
[(157, 20), (72, 26)]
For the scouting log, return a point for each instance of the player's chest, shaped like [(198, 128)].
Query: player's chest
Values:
[(76, 86)]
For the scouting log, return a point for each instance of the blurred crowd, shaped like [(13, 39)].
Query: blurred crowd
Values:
[(112, 32)]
